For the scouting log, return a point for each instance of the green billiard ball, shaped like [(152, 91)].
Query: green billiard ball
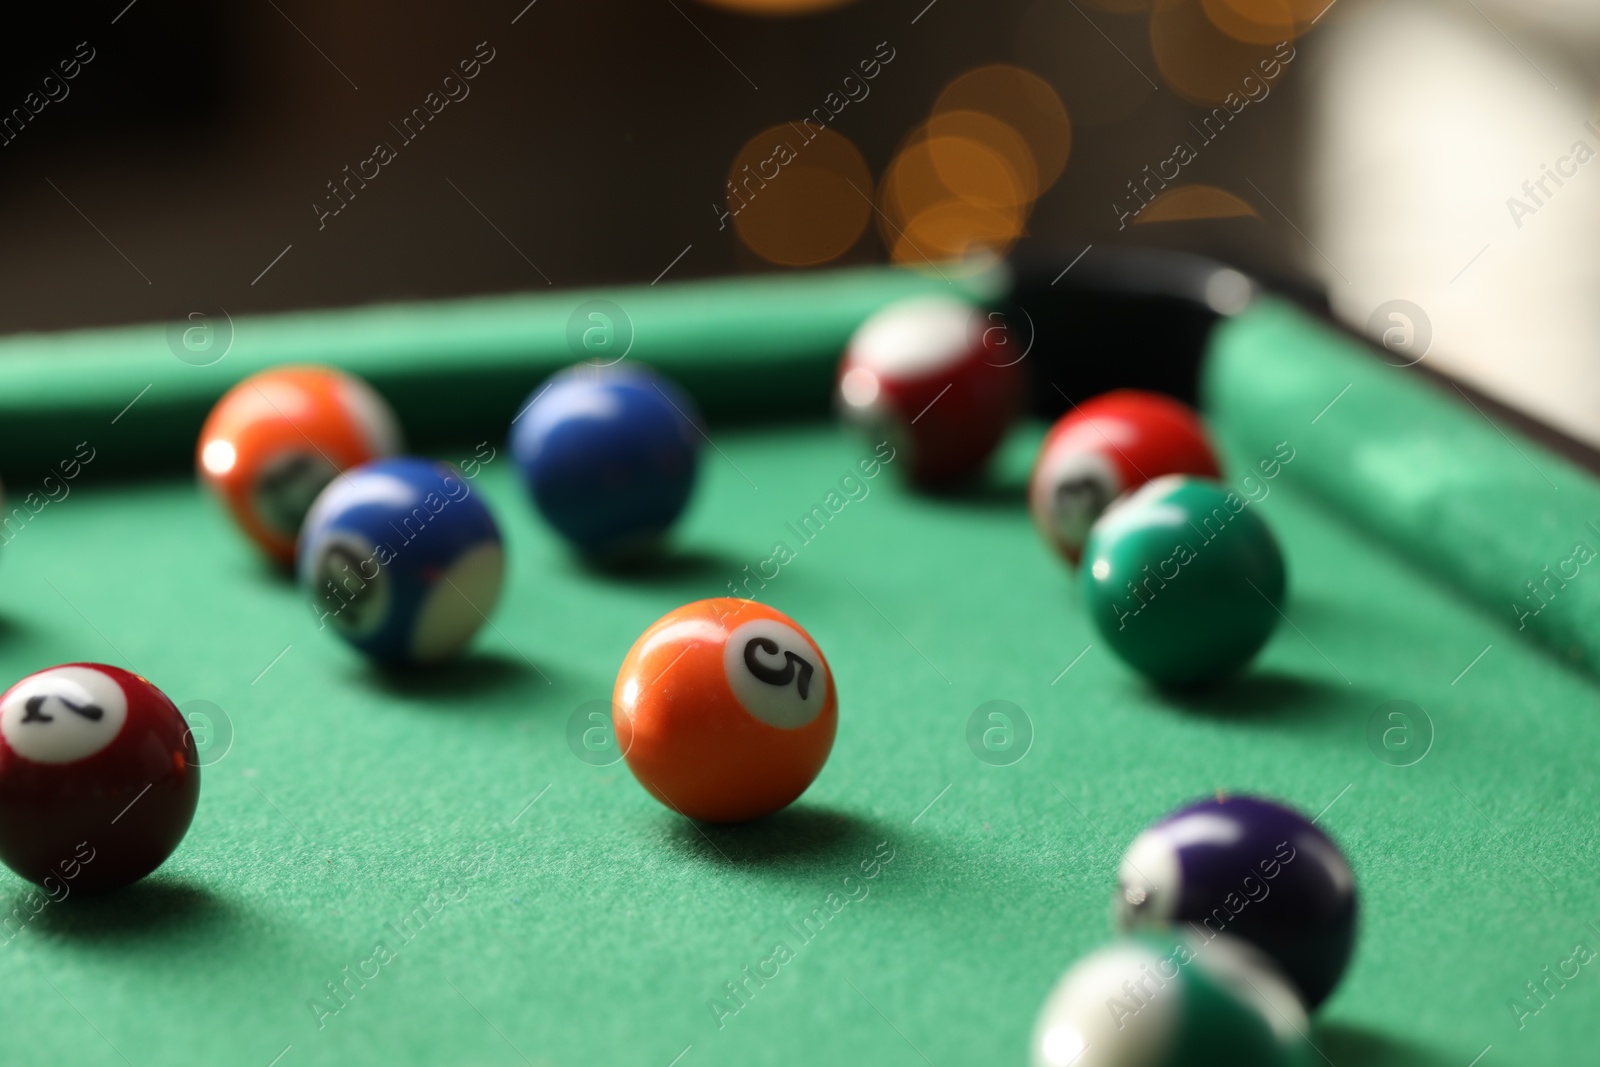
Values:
[(1183, 580), (1171, 1001)]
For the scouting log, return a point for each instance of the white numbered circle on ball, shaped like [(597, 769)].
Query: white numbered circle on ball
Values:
[(1072, 489), (287, 485), (350, 584), (775, 673), (63, 715), (1149, 882)]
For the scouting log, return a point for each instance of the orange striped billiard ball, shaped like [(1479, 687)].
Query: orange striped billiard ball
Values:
[(725, 710), (277, 438)]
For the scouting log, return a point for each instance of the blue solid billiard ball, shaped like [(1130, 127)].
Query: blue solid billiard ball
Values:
[(609, 456), (402, 559), (1253, 869)]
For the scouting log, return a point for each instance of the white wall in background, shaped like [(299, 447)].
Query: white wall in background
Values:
[(1428, 120)]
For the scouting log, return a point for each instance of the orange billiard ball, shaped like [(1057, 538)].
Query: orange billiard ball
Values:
[(277, 438), (725, 710)]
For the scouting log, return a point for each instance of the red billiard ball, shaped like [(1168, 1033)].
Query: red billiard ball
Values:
[(725, 710), (1106, 447), (277, 438), (937, 377), (99, 777)]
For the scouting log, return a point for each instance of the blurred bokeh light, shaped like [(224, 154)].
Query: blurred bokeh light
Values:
[(1187, 202), (966, 180), (778, 8), (1025, 102), (1253, 21), (1203, 61), (796, 201)]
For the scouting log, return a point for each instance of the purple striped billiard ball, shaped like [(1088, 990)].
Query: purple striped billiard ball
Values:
[(1251, 868)]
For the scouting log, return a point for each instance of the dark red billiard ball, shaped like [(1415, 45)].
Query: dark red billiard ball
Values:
[(937, 378), (1106, 447), (99, 777)]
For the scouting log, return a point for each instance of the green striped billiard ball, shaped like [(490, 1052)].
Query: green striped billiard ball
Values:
[(1183, 580), (1171, 1001)]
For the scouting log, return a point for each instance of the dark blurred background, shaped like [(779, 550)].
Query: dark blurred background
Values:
[(1376, 154), (189, 151)]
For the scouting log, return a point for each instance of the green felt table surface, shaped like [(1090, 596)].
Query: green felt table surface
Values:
[(567, 918), (1422, 467)]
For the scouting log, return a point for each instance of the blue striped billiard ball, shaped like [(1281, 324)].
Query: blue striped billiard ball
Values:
[(609, 457), (401, 558)]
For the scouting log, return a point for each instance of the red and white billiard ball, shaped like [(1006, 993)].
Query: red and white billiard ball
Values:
[(1106, 447), (99, 777), (277, 438), (937, 378), (725, 710)]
